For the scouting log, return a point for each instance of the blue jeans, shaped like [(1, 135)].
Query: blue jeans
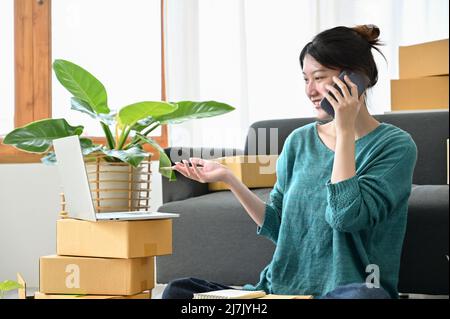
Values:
[(185, 288)]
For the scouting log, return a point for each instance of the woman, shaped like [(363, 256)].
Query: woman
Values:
[(337, 212)]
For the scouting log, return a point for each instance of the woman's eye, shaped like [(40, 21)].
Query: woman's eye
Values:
[(318, 78)]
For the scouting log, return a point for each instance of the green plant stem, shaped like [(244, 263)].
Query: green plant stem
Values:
[(131, 144), (150, 129), (109, 136), (136, 140), (123, 137)]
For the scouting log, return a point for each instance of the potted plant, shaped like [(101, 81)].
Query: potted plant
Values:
[(126, 130), (137, 120)]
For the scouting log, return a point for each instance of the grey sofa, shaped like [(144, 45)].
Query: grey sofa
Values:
[(215, 239)]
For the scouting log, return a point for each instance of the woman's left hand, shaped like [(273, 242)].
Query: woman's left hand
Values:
[(346, 105)]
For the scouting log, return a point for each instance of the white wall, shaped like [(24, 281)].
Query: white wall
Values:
[(29, 207)]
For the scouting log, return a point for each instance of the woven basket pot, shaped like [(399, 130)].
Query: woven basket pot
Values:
[(118, 186)]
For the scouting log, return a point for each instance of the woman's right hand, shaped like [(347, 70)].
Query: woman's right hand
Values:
[(203, 171)]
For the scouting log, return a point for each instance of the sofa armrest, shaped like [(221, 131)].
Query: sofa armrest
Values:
[(424, 262), (184, 187)]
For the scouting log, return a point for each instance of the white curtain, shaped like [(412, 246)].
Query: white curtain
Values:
[(245, 53)]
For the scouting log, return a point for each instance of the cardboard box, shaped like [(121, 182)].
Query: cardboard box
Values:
[(419, 94), (142, 295), (254, 171), (425, 59), (114, 239), (95, 276), (22, 291)]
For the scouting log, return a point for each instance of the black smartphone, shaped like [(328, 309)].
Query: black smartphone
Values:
[(361, 81)]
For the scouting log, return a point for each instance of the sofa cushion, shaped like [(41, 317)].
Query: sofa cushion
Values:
[(424, 263), (429, 131), (214, 239)]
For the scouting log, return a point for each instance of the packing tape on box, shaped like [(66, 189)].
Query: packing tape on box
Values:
[(150, 249)]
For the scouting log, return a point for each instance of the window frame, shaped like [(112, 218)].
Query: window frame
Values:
[(33, 77)]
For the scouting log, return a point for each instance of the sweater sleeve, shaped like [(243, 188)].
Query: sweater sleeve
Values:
[(367, 199), (272, 215), (273, 208)]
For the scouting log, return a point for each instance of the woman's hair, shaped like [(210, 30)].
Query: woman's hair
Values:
[(346, 48)]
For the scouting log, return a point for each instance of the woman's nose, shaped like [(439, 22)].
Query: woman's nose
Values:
[(311, 88)]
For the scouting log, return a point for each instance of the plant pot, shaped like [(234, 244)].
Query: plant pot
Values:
[(118, 186)]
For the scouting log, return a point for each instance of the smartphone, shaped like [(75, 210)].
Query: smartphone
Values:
[(361, 81)]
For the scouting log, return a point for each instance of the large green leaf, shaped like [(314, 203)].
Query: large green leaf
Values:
[(82, 85), (131, 114), (194, 110), (164, 160), (37, 137), (133, 156), (81, 106)]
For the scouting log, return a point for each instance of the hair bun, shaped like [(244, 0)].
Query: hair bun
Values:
[(370, 32)]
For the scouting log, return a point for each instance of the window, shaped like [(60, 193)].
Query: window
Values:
[(118, 42), (33, 58)]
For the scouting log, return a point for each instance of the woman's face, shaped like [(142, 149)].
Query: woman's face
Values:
[(316, 77)]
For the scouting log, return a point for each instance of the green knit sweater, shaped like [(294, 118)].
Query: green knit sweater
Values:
[(328, 235)]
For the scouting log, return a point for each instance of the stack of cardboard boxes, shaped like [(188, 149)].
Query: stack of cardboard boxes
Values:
[(423, 83), (104, 259)]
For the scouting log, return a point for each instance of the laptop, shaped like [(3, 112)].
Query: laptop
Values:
[(75, 182)]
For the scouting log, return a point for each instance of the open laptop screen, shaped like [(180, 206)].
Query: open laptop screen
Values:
[(73, 176)]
